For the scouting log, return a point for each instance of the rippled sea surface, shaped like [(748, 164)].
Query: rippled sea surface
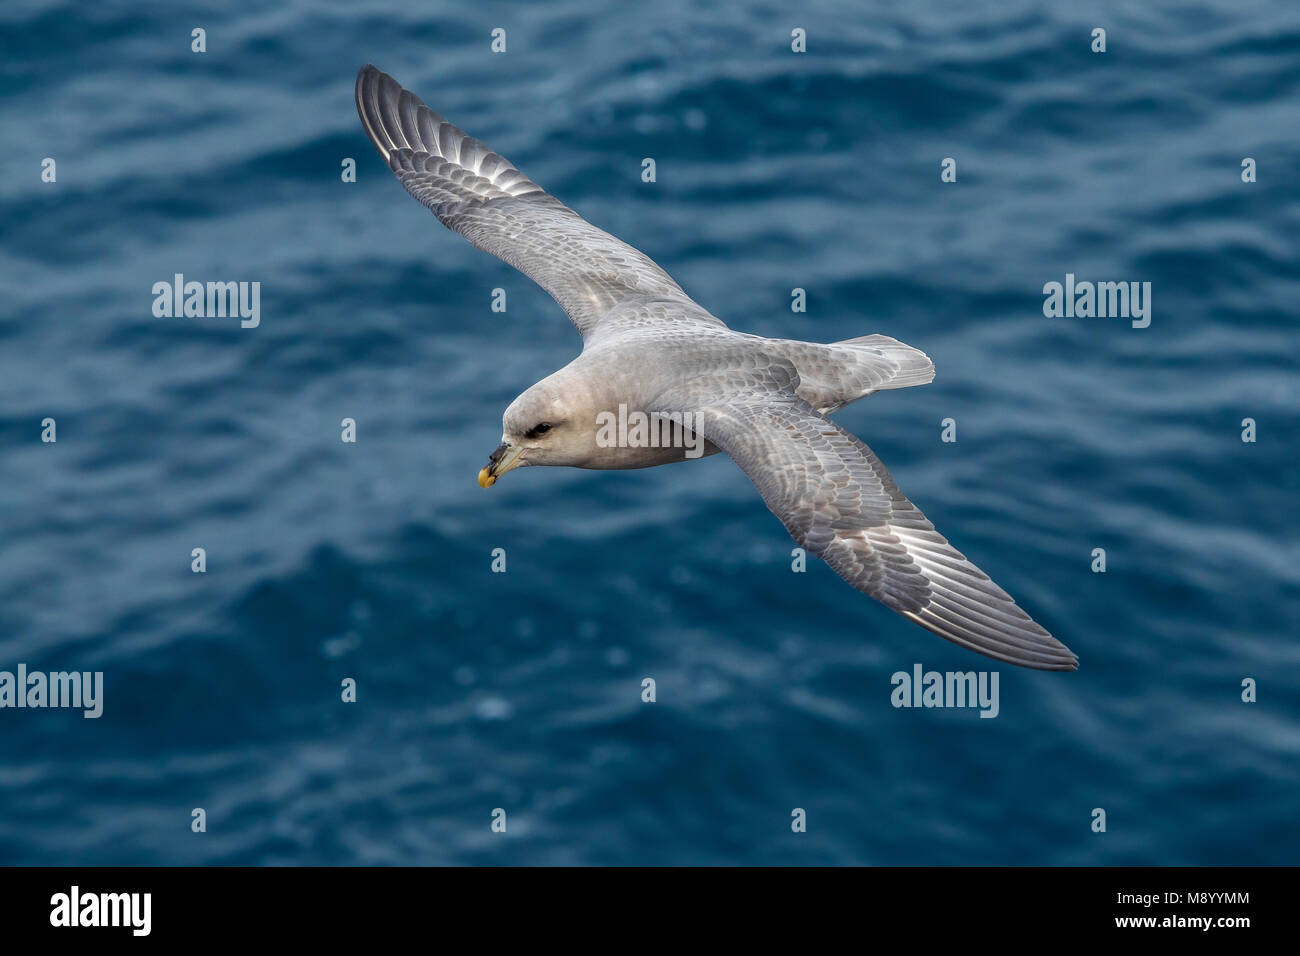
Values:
[(522, 691)]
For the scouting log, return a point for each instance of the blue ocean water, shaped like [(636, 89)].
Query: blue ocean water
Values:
[(522, 691)]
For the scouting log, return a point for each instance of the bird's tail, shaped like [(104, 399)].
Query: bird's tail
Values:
[(913, 366)]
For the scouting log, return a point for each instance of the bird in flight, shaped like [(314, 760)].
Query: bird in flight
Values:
[(652, 354)]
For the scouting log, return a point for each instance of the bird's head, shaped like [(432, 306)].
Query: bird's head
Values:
[(546, 425)]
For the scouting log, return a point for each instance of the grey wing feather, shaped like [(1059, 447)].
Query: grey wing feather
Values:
[(479, 194), (838, 501)]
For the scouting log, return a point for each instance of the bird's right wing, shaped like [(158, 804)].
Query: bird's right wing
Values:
[(835, 497), (479, 194)]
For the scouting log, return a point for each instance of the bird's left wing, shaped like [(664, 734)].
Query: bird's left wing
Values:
[(835, 497)]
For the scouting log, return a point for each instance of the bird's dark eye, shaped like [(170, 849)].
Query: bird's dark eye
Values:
[(539, 429)]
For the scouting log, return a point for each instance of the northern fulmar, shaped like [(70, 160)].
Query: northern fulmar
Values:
[(650, 351)]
